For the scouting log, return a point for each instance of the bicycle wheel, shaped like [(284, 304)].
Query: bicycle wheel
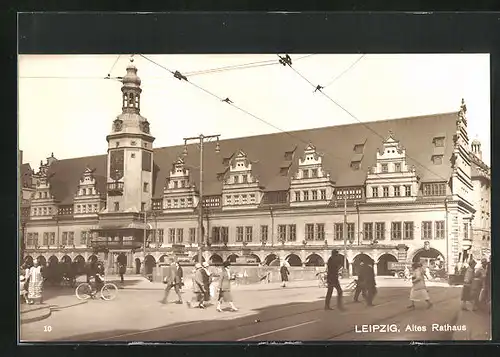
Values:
[(83, 291), (109, 291)]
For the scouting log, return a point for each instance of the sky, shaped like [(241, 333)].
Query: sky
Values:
[(66, 106)]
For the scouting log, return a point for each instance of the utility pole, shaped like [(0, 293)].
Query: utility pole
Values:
[(345, 234), (201, 140)]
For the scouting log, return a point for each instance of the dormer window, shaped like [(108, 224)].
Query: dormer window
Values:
[(175, 184), (358, 148), (289, 155), (439, 142), (244, 178), (225, 161), (437, 159), (305, 174), (236, 179), (314, 173), (385, 168), (397, 167), (355, 165)]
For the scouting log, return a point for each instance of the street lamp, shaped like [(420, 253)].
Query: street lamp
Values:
[(201, 140)]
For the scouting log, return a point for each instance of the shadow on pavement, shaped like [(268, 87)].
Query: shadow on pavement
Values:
[(224, 324)]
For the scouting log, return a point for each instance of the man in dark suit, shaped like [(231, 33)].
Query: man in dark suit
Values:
[(173, 280), (366, 283), (334, 264)]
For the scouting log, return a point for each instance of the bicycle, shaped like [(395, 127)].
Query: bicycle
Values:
[(86, 291), (322, 282), (351, 286)]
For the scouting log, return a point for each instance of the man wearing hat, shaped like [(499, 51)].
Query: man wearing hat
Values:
[(173, 280), (198, 287), (225, 288), (332, 277), (207, 280)]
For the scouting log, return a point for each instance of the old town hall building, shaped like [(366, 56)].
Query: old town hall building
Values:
[(386, 191)]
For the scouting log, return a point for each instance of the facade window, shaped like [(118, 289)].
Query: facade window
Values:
[(397, 167), (228, 199), (339, 231), (183, 202), (145, 187), (434, 189), (224, 234), (320, 231), (35, 239), (292, 232), (439, 229), (29, 240), (385, 168), (65, 238), (375, 191), (159, 234), (314, 173), (192, 235), (323, 195), (282, 233), (263, 233), (45, 238), (355, 165), (180, 235), (52, 238), (252, 198), (309, 231), (297, 196), (236, 199), (171, 235), (143, 206), (71, 238), (239, 234), (437, 159), (466, 231), (350, 231), (45, 211), (306, 195), (157, 205), (169, 203), (235, 179), (305, 174), (407, 190), (427, 230), (396, 230), (397, 191), (368, 231), (190, 201), (244, 178), (248, 234), (315, 195), (244, 199), (385, 191), (117, 206), (408, 230), (176, 203), (175, 184), (439, 142), (215, 235)]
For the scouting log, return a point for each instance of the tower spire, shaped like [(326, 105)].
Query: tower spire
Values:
[(131, 89)]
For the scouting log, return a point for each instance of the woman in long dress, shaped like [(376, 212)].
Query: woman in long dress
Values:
[(225, 288), (419, 289), (35, 286)]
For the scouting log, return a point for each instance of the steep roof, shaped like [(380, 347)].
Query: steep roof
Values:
[(267, 154), (25, 172)]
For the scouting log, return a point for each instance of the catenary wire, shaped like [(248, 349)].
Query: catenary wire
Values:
[(354, 117), (253, 115), (113, 66), (344, 71)]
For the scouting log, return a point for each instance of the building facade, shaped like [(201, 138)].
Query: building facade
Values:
[(401, 190)]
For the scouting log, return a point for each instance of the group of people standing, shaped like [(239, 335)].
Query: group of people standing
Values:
[(203, 285), (477, 285), (31, 282)]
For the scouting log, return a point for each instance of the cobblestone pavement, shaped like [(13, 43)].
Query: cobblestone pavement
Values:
[(274, 313)]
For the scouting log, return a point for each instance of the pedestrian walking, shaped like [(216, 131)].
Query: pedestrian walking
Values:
[(485, 295), (467, 292), (334, 264), (198, 288), (35, 285), (207, 280), (366, 284), (418, 290), (478, 282), (173, 280), (121, 270), (225, 288), (284, 272), (22, 289)]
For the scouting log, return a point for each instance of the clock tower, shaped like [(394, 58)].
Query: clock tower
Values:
[(130, 152)]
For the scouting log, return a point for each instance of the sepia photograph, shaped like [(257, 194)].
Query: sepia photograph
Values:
[(254, 197)]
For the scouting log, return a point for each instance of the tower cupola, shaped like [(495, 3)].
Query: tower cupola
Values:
[(131, 90)]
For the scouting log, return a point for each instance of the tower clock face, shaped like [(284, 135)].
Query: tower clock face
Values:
[(116, 164)]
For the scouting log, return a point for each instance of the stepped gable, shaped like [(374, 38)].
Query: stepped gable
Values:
[(267, 153)]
